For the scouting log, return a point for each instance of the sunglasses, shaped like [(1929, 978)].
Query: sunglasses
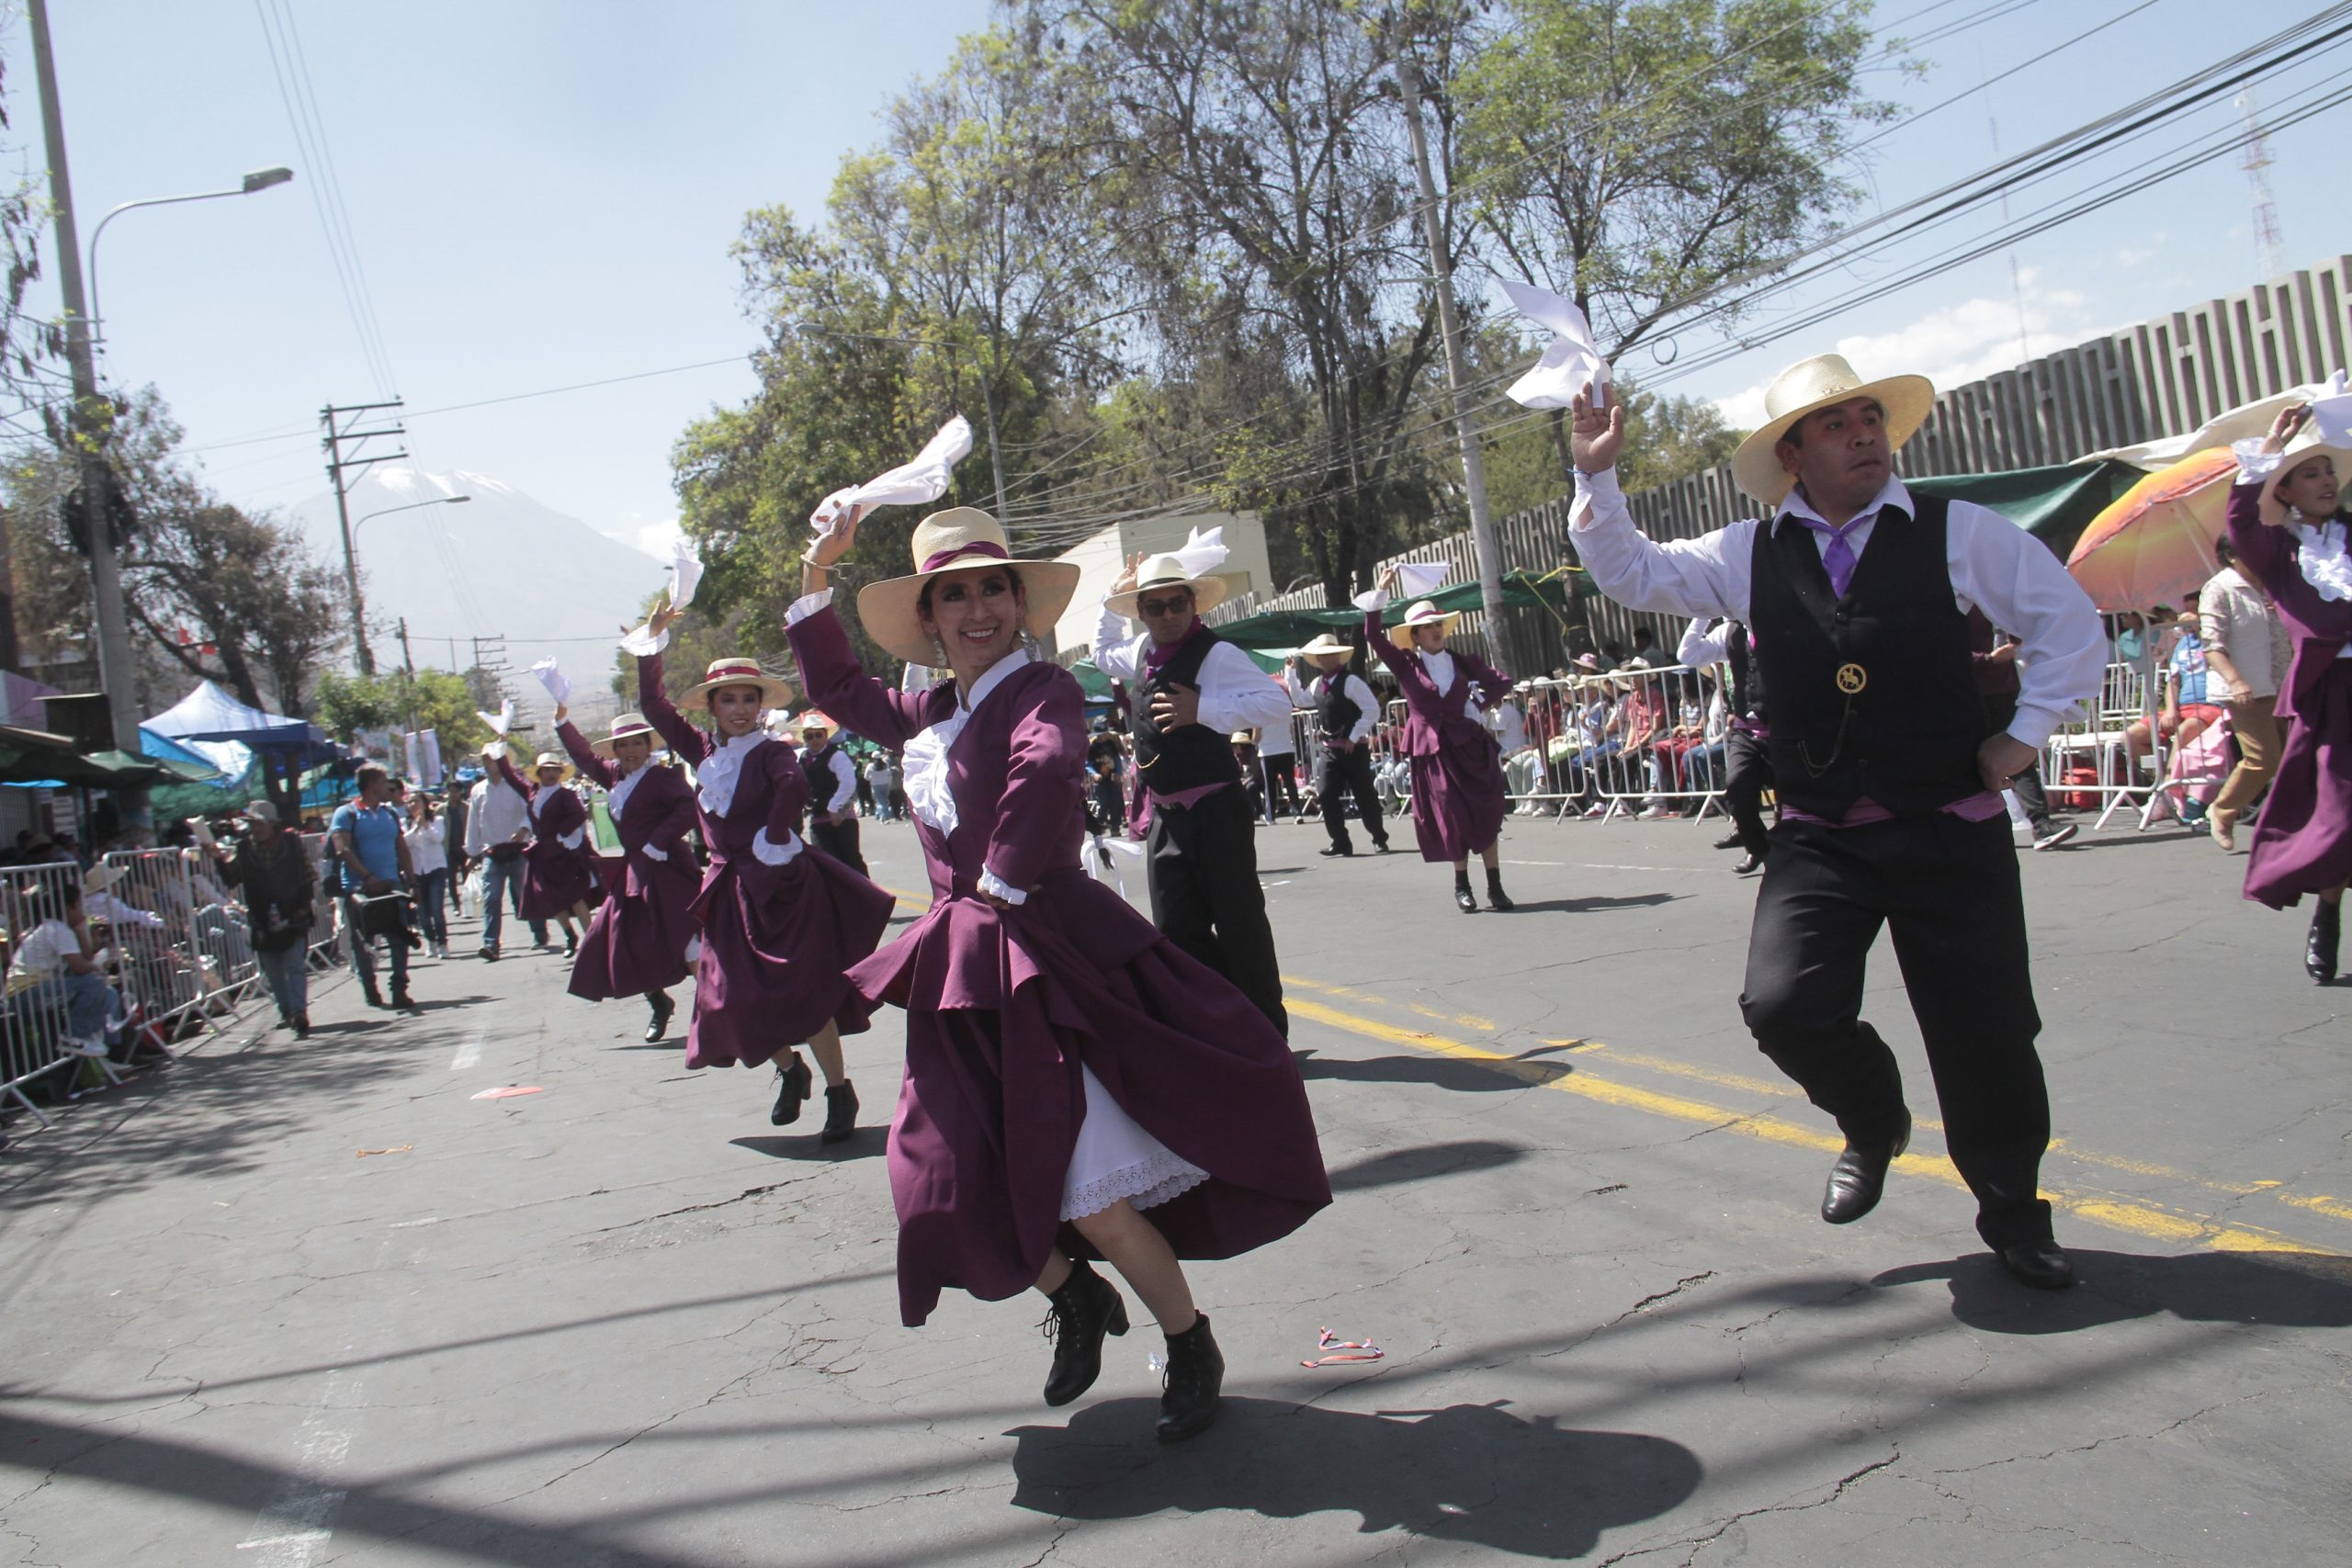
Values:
[(1156, 607)]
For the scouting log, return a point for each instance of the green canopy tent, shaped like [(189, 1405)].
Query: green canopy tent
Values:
[(2054, 504)]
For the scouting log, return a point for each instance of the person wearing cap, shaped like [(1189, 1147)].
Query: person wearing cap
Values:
[(832, 791), (2286, 526), (1078, 1085), (779, 926), (1459, 797), (636, 940), (272, 874), (1856, 594), (1346, 716), (560, 878), (370, 856), (1193, 689)]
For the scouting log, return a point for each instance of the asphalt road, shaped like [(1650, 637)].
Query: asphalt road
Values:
[(285, 1306)]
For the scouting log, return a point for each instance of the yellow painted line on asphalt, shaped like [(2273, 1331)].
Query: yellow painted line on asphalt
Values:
[(2333, 1208)]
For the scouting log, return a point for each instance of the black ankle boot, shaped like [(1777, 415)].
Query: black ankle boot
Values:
[(663, 1008), (368, 988), (1190, 1392), (792, 1087), (2319, 950), (1462, 898), (840, 1113), (1085, 1308), (1495, 898), (570, 945)]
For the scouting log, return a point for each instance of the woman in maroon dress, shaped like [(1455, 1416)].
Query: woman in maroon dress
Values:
[(1459, 796), (637, 943), (1075, 1086), (2290, 537), (780, 921), (559, 879)]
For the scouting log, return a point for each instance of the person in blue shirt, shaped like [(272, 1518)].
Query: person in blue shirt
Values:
[(371, 854)]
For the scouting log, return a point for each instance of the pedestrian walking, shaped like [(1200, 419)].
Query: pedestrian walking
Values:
[(370, 858), (1078, 1086), (498, 829), (272, 873), (636, 940), (1888, 773), (429, 851), (1458, 794)]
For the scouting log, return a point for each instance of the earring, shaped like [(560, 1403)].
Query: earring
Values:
[(940, 649)]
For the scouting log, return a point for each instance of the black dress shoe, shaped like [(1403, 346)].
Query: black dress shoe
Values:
[(1193, 1385), (1860, 1177), (840, 1113), (1085, 1309), (1748, 863), (1335, 850), (659, 1024), (1463, 900), (2318, 950), (1380, 847), (2042, 1264), (792, 1086), (1728, 843), (1495, 898)]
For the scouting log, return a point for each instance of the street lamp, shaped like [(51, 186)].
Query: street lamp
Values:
[(351, 571), (260, 179)]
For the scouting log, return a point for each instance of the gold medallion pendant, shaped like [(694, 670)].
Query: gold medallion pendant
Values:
[(1852, 678)]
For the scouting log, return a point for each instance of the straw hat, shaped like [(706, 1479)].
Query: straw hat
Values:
[(626, 725), (808, 721), (737, 671), (1422, 614), (1241, 738), (555, 759), (1324, 646), (1819, 383), (2306, 444), (953, 540), (99, 878), (1168, 571)]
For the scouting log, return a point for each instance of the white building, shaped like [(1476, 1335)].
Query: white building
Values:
[(1103, 557)]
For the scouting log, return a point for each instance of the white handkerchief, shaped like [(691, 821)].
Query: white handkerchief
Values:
[(1570, 360), (909, 484), (2253, 463), (2332, 411), (685, 575), (500, 722), (1419, 580), (642, 642), (1203, 553), (551, 676)]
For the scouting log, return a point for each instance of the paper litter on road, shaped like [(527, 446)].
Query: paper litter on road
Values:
[(508, 1092), (1363, 1351), (395, 1149)]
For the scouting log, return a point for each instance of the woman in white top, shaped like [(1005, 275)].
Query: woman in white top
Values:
[(429, 851)]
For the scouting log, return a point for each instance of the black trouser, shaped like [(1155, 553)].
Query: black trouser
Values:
[(1282, 785), (1747, 769), (1347, 773), (838, 839), (1201, 865), (1948, 889)]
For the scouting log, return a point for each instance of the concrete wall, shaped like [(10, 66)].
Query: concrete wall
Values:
[(1103, 556)]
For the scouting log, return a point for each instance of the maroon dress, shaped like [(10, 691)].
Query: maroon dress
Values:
[(637, 940), (1459, 796), (775, 939), (2302, 843), (557, 876), (1005, 1005)]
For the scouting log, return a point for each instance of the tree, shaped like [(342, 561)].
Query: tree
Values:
[(435, 699)]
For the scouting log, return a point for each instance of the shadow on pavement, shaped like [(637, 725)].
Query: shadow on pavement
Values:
[(1469, 1473), (1439, 1072), (2285, 1290), (869, 1144), (1398, 1167), (1586, 906)]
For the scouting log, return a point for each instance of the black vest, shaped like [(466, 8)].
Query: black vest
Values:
[(818, 768), (1747, 673), (1192, 756), (1907, 737), (1335, 713)]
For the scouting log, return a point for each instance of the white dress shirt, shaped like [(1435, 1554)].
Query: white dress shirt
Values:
[(1235, 693), (1995, 565), (844, 773), (1352, 686), (1705, 641), (493, 813)]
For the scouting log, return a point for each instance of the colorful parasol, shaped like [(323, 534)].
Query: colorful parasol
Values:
[(2155, 546)]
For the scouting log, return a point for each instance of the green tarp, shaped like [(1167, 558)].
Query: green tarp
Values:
[(2054, 505)]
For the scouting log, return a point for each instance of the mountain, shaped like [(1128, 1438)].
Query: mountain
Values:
[(498, 564)]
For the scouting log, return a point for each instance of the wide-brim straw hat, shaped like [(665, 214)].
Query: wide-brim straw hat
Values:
[(808, 721), (955, 540), (736, 671), (1422, 614), (1323, 645), (1162, 572), (555, 759), (2305, 445), (626, 726), (1809, 386), (99, 878)]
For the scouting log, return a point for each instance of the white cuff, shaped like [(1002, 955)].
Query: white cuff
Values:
[(770, 853), (2253, 463), (642, 642), (653, 853), (996, 886), (809, 604), (1591, 489), (1372, 600), (572, 839)]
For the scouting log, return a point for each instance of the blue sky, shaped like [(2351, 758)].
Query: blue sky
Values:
[(544, 194)]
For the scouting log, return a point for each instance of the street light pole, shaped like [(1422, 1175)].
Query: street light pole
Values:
[(260, 179), (89, 429), (351, 562)]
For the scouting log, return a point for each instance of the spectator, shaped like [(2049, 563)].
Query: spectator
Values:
[(372, 862), (498, 825), (881, 784), (57, 964), (428, 851), (453, 835), (2247, 649), (2183, 712), (271, 869)]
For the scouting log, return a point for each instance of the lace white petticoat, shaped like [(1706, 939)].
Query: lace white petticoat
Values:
[(1116, 1159)]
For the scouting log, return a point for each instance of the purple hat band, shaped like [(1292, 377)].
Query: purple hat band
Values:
[(977, 547)]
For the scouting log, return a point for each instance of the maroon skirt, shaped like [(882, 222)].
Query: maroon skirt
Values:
[(775, 942), (556, 879), (1459, 798), (2303, 841), (637, 942)]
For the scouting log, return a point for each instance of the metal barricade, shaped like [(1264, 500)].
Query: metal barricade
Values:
[(35, 1013)]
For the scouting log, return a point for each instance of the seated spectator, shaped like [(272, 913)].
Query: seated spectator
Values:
[(2183, 712), (57, 964)]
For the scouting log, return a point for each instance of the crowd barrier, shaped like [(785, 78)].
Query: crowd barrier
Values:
[(33, 1014), (1578, 761)]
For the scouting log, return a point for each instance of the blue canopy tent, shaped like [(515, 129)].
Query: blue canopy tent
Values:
[(283, 748)]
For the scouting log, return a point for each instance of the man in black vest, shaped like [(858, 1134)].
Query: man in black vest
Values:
[(1747, 769), (1192, 689), (833, 792), (1856, 594), (1346, 713)]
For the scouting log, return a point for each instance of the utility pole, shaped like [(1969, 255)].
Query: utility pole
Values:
[(2267, 240), (90, 426), (408, 665), (337, 464), (1457, 365)]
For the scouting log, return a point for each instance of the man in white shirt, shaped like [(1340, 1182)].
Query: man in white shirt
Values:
[(498, 824), (2247, 649), (1346, 715), (833, 792), (1856, 593), (1192, 690), (1278, 760)]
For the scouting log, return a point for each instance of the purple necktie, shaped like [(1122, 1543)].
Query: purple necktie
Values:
[(1838, 559)]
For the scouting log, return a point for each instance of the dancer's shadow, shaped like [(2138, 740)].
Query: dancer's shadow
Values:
[(1398, 1167), (871, 1143), (1589, 904), (1468, 1472), (2289, 1289), (1439, 1072)]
